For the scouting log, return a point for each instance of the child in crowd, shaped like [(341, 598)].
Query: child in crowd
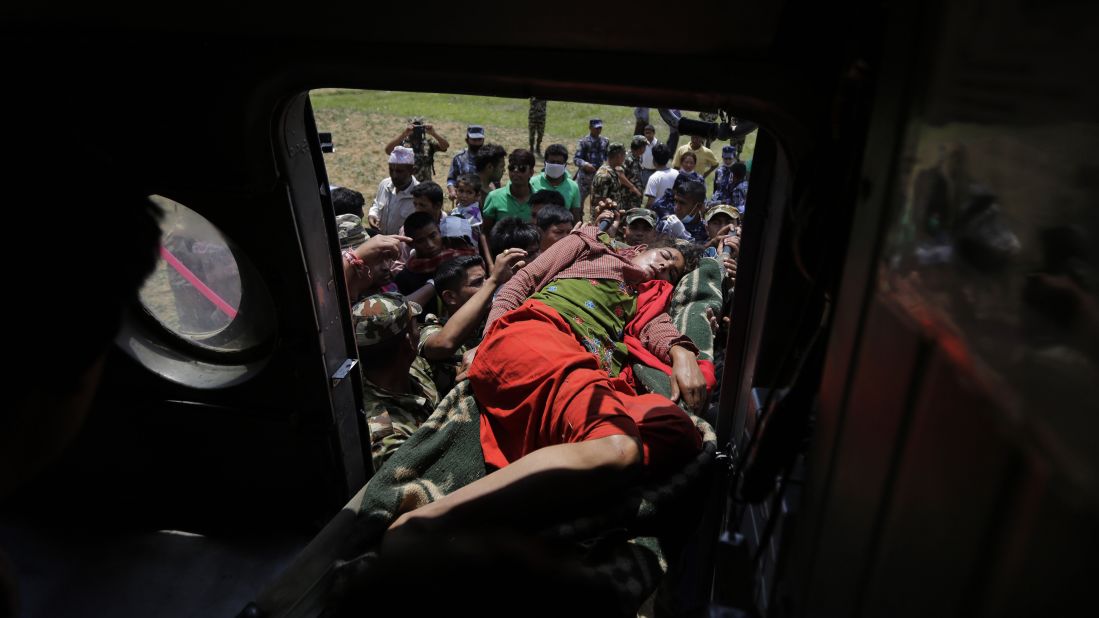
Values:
[(554, 222), (414, 279), (467, 206), (428, 197), (545, 197), (468, 192), (514, 233)]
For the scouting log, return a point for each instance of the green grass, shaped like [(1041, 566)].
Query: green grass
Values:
[(562, 118), (362, 121)]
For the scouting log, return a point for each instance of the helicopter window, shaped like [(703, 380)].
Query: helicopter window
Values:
[(204, 295), (195, 290)]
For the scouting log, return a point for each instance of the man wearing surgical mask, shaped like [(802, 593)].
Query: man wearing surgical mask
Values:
[(556, 179), (686, 223)]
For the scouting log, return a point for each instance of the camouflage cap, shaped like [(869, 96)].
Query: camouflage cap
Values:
[(643, 214), (382, 316), (416, 120), (615, 148), (722, 208), (350, 230)]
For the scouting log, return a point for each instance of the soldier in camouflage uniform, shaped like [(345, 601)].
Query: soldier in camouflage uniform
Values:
[(610, 181), (536, 124), (633, 172), (398, 393), (591, 152), (424, 142)]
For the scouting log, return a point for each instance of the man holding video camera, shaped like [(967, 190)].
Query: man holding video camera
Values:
[(424, 142)]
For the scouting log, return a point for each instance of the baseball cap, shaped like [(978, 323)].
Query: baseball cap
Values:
[(645, 214), (475, 131), (722, 208), (596, 123)]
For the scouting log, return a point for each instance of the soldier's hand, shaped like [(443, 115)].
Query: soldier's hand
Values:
[(730, 268), (607, 215), (467, 360), (733, 242), (373, 220), (606, 204), (507, 263), (381, 247), (715, 242)]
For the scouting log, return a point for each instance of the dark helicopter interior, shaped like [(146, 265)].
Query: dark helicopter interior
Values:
[(908, 391)]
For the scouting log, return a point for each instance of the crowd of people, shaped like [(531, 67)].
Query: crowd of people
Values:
[(541, 291)]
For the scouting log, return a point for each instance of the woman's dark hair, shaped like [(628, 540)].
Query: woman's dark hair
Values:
[(692, 253), (512, 233)]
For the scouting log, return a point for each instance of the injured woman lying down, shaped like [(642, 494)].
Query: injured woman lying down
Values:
[(553, 378)]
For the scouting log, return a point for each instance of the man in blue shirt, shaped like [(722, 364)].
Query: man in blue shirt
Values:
[(462, 163), (591, 152)]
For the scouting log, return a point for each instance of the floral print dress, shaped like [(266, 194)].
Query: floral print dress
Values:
[(598, 311)]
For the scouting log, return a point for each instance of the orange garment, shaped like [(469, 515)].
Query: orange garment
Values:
[(539, 387)]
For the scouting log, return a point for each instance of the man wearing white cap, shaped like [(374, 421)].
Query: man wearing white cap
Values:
[(394, 200)]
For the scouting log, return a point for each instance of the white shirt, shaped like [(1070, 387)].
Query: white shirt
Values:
[(647, 158), (391, 207), (660, 181)]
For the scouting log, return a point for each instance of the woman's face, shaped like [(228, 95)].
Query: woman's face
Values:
[(662, 263)]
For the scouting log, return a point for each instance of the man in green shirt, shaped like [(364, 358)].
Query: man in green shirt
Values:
[(555, 178), (512, 200), (398, 392)]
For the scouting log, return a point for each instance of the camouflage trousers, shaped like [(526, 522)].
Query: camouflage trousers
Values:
[(537, 130)]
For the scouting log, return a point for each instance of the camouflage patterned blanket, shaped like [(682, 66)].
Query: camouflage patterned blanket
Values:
[(445, 454)]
